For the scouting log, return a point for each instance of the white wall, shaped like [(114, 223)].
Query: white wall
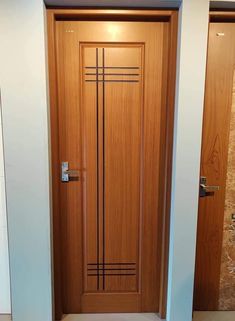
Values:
[(25, 131), (5, 304), (191, 66)]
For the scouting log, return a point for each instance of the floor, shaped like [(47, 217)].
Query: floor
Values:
[(198, 316), (113, 317), (5, 317), (214, 316)]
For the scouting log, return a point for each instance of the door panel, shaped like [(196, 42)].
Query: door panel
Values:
[(117, 86), (217, 112), (111, 95)]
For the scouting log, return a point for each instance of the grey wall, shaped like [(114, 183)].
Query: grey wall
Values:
[(222, 4), (191, 67), (5, 304), (214, 4), (25, 131), (115, 3)]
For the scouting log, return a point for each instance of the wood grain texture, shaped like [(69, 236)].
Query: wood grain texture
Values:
[(166, 161), (222, 16), (55, 169), (123, 112), (127, 121), (89, 115), (95, 14), (219, 80), (111, 131), (70, 150), (110, 302), (154, 101), (66, 58)]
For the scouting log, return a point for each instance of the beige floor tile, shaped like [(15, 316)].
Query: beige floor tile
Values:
[(198, 316), (5, 317), (113, 317), (214, 316)]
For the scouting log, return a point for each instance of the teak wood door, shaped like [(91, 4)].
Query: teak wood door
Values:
[(110, 120), (216, 126)]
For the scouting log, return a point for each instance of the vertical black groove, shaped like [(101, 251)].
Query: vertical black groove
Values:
[(97, 143), (103, 73)]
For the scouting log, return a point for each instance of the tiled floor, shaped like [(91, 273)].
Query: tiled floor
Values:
[(214, 316), (198, 316), (4, 317), (113, 317)]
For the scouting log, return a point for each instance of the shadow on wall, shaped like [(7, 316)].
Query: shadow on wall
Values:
[(5, 306)]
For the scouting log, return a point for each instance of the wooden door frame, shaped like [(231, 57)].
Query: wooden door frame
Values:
[(222, 16), (170, 16)]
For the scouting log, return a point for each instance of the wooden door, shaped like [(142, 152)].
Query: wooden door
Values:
[(111, 80), (217, 112)]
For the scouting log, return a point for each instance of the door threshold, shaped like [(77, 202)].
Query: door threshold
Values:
[(112, 317), (5, 317)]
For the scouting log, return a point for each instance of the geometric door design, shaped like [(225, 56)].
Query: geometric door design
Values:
[(112, 103)]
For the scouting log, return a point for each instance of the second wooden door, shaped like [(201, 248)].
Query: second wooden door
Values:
[(216, 129)]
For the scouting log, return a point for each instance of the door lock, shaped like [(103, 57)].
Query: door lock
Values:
[(206, 190), (67, 174)]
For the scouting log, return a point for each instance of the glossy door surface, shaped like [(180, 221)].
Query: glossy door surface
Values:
[(111, 95), (216, 128)]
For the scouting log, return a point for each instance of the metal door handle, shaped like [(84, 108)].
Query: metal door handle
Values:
[(207, 188), (66, 173), (204, 188)]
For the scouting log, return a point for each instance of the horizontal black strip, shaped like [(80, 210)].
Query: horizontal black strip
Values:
[(111, 264), (121, 269), (110, 74), (110, 274), (112, 67), (114, 80)]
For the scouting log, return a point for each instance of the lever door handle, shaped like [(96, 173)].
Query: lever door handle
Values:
[(207, 188), (204, 188), (67, 173)]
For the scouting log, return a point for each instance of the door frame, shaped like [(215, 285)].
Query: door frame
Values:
[(170, 16), (218, 17), (222, 16)]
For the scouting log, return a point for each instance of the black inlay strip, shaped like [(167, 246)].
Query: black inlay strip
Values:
[(97, 142), (109, 274), (110, 74), (103, 67), (112, 264), (122, 269), (115, 80), (103, 71)]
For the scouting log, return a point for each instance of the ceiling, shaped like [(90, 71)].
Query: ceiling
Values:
[(114, 3)]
